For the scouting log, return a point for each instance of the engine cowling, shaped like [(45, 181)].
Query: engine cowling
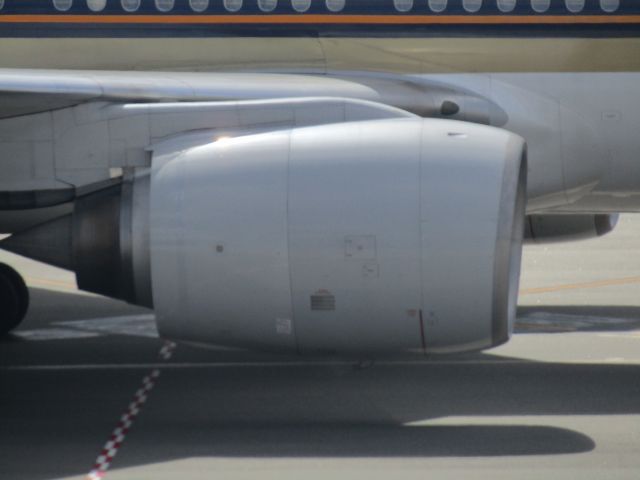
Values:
[(363, 237), (359, 237)]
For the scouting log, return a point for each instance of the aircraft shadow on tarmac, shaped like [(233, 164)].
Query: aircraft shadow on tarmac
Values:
[(279, 411)]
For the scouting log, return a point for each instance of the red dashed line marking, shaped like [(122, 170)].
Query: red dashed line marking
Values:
[(110, 449)]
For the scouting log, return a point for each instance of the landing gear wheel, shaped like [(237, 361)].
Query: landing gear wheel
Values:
[(14, 299)]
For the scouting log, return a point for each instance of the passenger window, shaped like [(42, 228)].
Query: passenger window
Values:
[(62, 5), (130, 5), (232, 5), (267, 5), (165, 5), (199, 5), (437, 5), (506, 6), (335, 5), (472, 6), (96, 5), (574, 6), (540, 6), (609, 6), (301, 5), (403, 5)]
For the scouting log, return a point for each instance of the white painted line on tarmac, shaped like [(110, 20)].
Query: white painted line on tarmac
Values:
[(143, 325), (131, 325), (49, 334), (223, 365), (626, 335)]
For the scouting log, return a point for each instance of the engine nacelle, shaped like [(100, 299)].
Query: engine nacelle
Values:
[(105, 241), (359, 237), (363, 237), (567, 228)]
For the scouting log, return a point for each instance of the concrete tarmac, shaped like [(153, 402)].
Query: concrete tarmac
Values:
[(561, 400)]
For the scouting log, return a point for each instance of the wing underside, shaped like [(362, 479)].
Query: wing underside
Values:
[(62, 132)]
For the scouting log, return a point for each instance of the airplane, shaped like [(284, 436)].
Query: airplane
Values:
[(319, 177)]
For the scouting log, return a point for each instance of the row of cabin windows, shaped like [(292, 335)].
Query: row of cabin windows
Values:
[(437, 6)]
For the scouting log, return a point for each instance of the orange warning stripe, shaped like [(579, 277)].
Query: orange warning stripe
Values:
[(328, 19)]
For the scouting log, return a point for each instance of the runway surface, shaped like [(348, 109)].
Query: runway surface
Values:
[(561, 400)]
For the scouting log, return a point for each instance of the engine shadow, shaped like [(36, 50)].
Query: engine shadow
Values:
[(345, 440)]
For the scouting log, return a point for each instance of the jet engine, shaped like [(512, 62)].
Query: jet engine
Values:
[(567, 227), (363, 237)]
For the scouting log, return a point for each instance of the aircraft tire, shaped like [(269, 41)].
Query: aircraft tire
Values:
[(14, 299)]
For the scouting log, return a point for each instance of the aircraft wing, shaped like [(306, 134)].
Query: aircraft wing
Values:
[(27, 91), (47, 159), (31, 91)]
